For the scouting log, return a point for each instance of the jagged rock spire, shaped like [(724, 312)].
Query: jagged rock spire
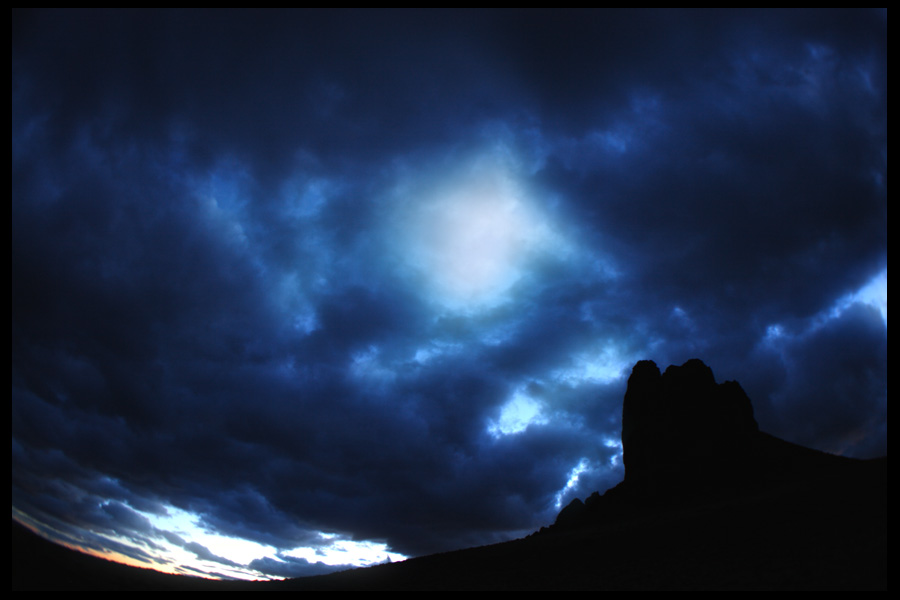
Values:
[(687, 439), (682, 426)]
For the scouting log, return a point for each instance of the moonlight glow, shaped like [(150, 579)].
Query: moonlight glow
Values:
[(471, 234)]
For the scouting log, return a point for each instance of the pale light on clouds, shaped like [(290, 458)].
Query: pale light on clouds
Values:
[(472, 232), (576, 472), (516, 415)]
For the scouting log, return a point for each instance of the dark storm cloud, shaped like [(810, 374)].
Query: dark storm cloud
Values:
[(835, 391), (291, 566), (220, 304)]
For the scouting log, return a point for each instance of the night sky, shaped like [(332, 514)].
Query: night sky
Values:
[(293, 291)]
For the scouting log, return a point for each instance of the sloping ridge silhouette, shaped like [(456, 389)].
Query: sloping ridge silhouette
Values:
[(688, 440), (708, 502)]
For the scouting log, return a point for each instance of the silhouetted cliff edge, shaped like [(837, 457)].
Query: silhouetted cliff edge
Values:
[(688, 440)]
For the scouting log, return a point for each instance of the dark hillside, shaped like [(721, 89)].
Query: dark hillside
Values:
[(733, 508)]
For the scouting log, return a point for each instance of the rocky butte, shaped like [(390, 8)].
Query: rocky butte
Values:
[(688, 440)]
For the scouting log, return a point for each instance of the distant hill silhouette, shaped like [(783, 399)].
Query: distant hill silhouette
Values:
[(708, 502)]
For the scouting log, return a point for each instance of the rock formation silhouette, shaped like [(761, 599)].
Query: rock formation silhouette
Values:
[(687, 439), (681, 428)]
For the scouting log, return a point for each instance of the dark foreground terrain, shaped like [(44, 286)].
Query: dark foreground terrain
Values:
[(731, 508)]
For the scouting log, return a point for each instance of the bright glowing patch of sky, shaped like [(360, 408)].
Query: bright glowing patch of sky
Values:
[(435, 349), (471, 232), (182, 538), (347, 552), (616, 458), (599, 363), (516, 415), (190, 527), (583, 466), (873, 293)]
